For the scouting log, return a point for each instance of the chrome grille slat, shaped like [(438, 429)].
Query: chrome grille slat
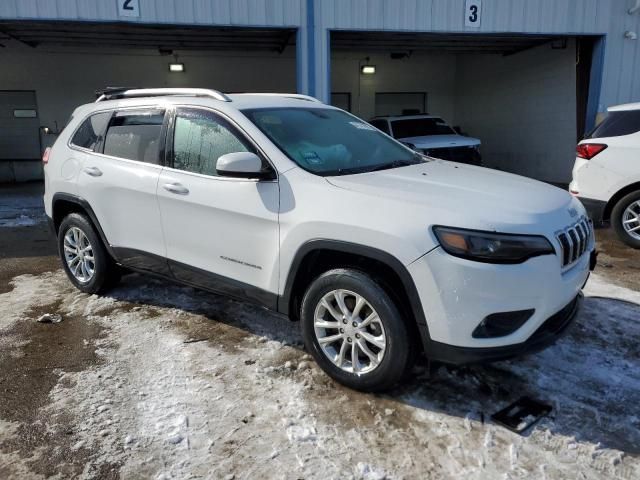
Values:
[(582, 239), (574, 241)]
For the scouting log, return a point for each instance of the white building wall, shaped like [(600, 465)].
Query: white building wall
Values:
[(523, 108), (430, 73), (65, 79)]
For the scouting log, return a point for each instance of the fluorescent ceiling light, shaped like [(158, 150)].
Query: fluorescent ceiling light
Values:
[(368, 69), (176, 67)]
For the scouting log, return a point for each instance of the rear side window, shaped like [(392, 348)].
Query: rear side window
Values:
[(617, 124), (135, 135), (90, 133), (381, 125)]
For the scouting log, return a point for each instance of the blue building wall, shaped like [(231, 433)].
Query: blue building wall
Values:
[(314, 19)]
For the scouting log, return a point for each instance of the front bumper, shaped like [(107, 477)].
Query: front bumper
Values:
[(547, 334), (457, 294)]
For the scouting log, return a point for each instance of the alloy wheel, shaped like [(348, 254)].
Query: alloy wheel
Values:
[(631, 220), (349, 331), (78, 254)]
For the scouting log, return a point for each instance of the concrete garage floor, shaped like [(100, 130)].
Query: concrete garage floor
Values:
[(155, 380)]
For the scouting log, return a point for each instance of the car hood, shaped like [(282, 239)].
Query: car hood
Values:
[(460, 195), (441, 141)]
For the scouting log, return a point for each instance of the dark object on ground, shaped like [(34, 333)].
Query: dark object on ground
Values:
[(50, 318), (521, 414)]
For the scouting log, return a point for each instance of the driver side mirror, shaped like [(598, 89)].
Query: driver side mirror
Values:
[(243, 165)]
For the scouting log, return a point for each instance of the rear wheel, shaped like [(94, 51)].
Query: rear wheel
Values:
[(625, 218), (354, 331), (84, 257)]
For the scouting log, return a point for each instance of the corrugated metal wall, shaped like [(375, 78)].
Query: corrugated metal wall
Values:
[(530, 16), (621, 79), (621, 75), (212, 12)]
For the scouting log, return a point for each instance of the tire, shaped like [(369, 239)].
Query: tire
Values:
[(391, 362), (104, 273), (624, 210)]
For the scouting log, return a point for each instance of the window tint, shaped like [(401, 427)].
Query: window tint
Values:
[(135, 135), (381, 125), (418, 127), (200, 138), (91, 131), (617, 124)]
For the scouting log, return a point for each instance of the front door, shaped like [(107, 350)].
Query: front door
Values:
[(221, 233)]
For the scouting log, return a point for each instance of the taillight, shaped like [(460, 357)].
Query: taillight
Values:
[(589, 150), (45, 155)]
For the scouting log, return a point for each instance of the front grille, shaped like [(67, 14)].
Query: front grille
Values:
[(468, 155), (574, 241)]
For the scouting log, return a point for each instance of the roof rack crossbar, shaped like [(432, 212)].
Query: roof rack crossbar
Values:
[(296, 96), (113, 93)]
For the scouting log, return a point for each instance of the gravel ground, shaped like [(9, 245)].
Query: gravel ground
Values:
[(159, 381)]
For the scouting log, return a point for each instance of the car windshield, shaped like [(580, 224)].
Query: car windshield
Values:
[(420, 127), (330, 142)]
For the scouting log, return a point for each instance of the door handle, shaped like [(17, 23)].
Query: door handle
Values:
[(176, 188), (93, 171)]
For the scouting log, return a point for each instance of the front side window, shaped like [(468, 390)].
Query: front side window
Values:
[(135, 135), (617, 124), (420, 127), (90, 133), (200, 138), (330, 142)]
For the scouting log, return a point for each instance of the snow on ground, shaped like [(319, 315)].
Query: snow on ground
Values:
[(21, 210), (197, 386)]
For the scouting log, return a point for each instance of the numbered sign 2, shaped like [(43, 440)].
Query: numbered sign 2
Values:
[(128, 8), (472, 12)]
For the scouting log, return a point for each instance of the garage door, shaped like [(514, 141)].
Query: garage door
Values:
[(19, 126)]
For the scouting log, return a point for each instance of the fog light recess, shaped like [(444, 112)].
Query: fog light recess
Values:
[(502, 324)]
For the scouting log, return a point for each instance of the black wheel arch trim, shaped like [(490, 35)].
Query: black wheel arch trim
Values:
[(82, 203), (340, 246)]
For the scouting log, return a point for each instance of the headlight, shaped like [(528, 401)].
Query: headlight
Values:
[(491, 247)]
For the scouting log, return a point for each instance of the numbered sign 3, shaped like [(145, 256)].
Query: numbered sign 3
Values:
[(472, 12), (128, 8)]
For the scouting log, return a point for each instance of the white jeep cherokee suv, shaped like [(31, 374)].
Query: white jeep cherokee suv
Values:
[(606, 173), (298, 206)]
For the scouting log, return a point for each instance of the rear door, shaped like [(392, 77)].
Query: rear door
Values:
[(119, 178), (221, 233)]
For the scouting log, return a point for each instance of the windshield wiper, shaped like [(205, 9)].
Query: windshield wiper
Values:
[(394, 164), (418, 158)]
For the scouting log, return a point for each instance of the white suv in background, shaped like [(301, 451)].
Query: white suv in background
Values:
[(432, 136), (606, 174), (303, 208)]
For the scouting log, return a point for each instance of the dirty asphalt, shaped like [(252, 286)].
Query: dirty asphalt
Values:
[(30, 369)]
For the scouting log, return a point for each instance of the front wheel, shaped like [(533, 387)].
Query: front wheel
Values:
[(354, 331), (625, 218)]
